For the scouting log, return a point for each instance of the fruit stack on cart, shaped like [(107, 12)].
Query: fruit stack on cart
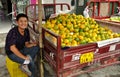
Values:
[(47, 9), (73, 44)]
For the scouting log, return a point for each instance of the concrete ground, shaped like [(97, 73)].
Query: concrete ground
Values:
[(3, 70)]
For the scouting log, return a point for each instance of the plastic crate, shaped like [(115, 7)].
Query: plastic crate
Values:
[(13, 69)]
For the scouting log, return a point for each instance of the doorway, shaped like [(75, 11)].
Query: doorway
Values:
[(9, 6), (6, 9)]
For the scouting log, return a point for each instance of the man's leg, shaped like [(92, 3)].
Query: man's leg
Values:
[(31, 51), (23, 67), (32, 68), (15, 58)]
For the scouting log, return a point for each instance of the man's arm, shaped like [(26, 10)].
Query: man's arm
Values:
[(17, 52)]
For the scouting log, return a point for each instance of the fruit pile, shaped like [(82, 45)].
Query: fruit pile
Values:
[(76, 29), (116, 18)]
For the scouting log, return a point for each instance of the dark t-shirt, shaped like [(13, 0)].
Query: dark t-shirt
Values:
[(15, 38)]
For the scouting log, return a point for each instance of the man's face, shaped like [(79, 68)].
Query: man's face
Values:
[(22, 23)]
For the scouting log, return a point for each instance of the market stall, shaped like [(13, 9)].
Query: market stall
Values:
[(69, 60)]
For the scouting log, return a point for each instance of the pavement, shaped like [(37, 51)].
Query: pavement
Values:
[(4, 28), (3, 69)]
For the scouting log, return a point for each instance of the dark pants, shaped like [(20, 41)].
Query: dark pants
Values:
[(26, 51)]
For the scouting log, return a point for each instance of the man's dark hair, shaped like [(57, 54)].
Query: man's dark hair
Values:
[(21, 15)]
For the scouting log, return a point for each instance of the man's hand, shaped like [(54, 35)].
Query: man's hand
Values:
[(31, 44), (35, 43), (27, 58)]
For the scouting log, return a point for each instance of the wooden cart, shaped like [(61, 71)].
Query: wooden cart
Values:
[(71, 61)]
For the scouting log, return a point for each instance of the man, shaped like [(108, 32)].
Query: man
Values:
[(19, 48)]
